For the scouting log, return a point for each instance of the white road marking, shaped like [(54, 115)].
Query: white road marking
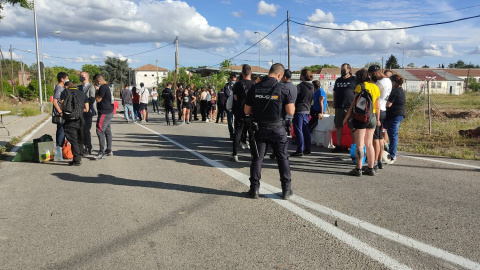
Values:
[(30, 135), (441, 161), (318, 222)]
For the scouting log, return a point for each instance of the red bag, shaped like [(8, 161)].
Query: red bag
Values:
[(67, 150)]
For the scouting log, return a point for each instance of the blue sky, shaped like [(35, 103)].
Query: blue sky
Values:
[(92, 30)]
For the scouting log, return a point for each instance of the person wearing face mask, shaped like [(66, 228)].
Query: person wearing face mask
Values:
[(343, 94), (263, 105), (62, 78), (385, 85), (89, 90), (103, 96)]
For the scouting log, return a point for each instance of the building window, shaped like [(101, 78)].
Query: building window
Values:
[(145, 75), (153, 75), (433, 85), (459, 84), (439, 85)]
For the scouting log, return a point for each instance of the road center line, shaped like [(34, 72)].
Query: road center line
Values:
[(346, 238)]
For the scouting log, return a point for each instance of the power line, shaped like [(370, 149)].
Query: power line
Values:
[(402, 18), (385, 29), (150, 50)]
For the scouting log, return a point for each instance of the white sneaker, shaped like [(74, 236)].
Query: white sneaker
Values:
[(234, 158), (206, 121)]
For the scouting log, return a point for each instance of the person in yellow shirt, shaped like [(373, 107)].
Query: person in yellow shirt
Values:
[(364, 131)]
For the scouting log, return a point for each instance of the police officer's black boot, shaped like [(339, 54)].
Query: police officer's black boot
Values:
[(286, 194), (253, 194)]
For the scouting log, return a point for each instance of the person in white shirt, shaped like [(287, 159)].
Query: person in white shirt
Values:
[(385, 86), (144, 94), (155, 100)]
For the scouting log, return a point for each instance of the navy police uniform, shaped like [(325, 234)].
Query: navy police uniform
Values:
[(267, 99), (168, 98)]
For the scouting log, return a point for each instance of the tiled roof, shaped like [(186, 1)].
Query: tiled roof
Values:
[(422, 73), (149, 67), (447, 75), (407, 75), (459, 72), (254, 69)]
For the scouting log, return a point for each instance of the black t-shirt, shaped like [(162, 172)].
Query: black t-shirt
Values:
[(240, 89), (168, 97), (397, 98), (187, 98), (105, 106), (82, 98), (344, 92)]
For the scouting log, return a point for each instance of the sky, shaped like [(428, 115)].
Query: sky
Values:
[(210, 31)]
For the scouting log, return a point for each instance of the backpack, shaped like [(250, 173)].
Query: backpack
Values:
[(363, 108), (229, 104), (72, 109)]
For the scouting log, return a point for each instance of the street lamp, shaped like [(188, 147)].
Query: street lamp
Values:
[(38, 56), (403, 54), (43, 54), (259, 55)]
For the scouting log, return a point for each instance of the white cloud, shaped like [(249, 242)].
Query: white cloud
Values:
[(266, 45), (267, 9), (306, 48), (226, 2), (320, 16), (367, 42), (117, 22), (450, 51), (158, 44), (238, 14), (120, 56), (475, 51)]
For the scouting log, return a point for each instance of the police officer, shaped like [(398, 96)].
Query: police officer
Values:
[(264, 103), (168, 98)]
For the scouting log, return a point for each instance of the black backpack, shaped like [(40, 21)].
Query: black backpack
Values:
[(363, 108), (72, 109)]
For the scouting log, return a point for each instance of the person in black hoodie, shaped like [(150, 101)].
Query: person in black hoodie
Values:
[(302, 113)]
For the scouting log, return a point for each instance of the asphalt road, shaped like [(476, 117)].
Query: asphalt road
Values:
[(170, 199)]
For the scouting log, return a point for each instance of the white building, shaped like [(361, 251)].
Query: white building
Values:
[(148, 75)]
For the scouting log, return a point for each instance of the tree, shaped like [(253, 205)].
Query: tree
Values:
[(473, 84), (426, 66), (411, 65), (367, 65), (318, 67), (392, 62), (462, 64), (115, 71), (226, 63), (22, 3), (91, 69)]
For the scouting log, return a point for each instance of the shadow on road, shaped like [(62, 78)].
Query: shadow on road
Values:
[(112, 180)]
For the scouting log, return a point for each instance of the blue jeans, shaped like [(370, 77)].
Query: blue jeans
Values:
[(302, 131), (392, 126), (128, 110), (60, 135), (230, 123)]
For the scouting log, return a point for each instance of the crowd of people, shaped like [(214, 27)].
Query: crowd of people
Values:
[(260, 112)]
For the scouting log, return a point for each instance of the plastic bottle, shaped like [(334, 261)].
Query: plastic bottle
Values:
[(58, 155)]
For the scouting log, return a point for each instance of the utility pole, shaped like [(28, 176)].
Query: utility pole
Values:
[(382, 62), (11, 64), (38, 57), (176, 63), (429, 108), (1, 72), (288, 37), (157, 71), (468, 78)]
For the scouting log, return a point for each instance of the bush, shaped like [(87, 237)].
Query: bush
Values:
[(30, 111), (29, 92), (7, 88)]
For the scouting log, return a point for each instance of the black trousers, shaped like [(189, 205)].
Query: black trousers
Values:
[(203, 109), (74, 133), (221, 109), (179, 107), (195, 112), (313, 120), (240, 134), (87, 135), (170, 109), (277, 138)]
